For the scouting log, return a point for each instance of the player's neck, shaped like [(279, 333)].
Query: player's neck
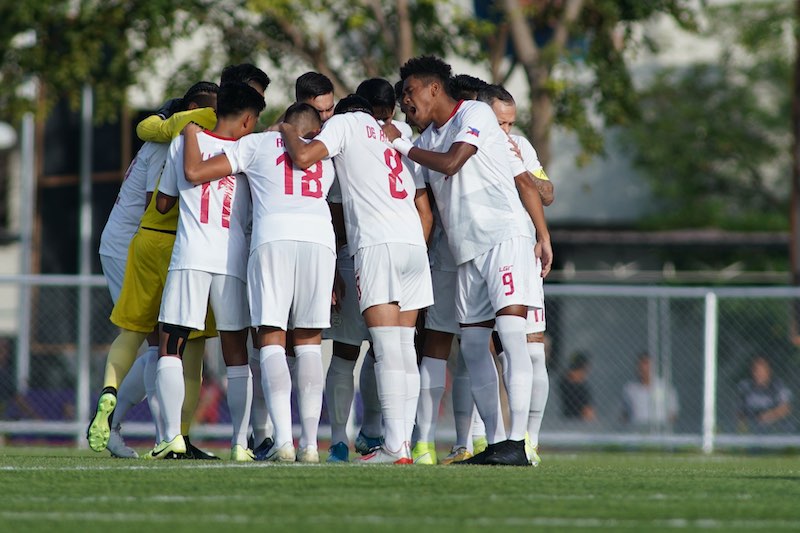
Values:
[(225, 129), (445, 111)]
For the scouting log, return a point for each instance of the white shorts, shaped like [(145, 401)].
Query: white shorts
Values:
[(441, 316), (114, 272), (347, 324), (187, 294), (498, 278), (393, 272), (535, 322), (289, 284)]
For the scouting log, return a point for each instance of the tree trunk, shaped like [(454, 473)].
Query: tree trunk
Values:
[(794, 245)]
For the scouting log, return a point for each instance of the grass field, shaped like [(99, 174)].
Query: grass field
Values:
[(66, 490)]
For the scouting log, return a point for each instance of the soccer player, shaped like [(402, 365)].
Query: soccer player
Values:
[(316, 90), (387, 220), (483, 203), (505, 108), (208, 266), (291, 270), (136, 309)]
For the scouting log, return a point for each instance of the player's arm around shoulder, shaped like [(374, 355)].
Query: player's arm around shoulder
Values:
[(195, 170), (162, 130), (533, 205), (448, 163), (303, 154)]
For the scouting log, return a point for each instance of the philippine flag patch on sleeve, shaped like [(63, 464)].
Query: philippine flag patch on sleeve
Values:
[(473, 131)]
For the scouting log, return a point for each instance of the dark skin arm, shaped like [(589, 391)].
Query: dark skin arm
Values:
[(195, 169), (533, 205), (164, 202), (303, 154), (425, 214), (448, 163)]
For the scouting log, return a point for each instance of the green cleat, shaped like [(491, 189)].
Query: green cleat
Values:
[(168, 450), (241, 454), (100, 429), (424, 453), (479, 444)]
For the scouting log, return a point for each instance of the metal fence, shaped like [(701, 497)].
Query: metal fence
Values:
[(722, 364)]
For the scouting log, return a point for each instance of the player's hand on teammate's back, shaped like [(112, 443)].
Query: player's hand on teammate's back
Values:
[(391, 131), (515, 147), (191, 128)]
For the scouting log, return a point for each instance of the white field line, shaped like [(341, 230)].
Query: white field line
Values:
[(553, 522)]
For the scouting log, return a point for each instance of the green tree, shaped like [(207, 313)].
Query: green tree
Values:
[(62, 45), (714, 138)]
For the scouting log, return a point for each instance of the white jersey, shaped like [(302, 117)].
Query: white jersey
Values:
[(480, 206), (140, 178), (213, 216), (289, 204), (405, 130), (530, 159), (378, 184)]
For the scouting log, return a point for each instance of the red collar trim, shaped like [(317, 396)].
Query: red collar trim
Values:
[(211, 133)]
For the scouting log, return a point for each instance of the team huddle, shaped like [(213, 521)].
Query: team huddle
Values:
[(335, 223)]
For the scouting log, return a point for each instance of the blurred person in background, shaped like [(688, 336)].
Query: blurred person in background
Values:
[(764, 400), (576, 397), (649, 402)]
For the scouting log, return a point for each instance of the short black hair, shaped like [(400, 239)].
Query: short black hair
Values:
[(237, 97), (429, 68), (245, 73), (200, 94), (466, 87), (310, 85), (352, 103), (300, 110), (378, 92), (491, 93), (398, 91)]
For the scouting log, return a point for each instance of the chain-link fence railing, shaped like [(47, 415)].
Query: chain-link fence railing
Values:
[(675, 367)]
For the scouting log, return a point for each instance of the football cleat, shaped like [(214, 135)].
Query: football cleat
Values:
[(168, 449), (278, 454), (424, 453), (532, 452), (366, 445), (100, 429), (457, 455), (265, 445), (339, 453), (116, 445), (382, 456), (242, 454), (193, 452), (309, 454), (478, 458), (479, 444), (508, 452)]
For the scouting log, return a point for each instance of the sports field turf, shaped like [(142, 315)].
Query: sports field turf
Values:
[(65, 490)]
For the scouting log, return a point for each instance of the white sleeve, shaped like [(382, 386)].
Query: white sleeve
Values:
[(334, 134), (242, 153), (173, 169), (529, 156), (154, 163), (475, 123), (517, 165)]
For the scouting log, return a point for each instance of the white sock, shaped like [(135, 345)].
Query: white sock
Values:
[(277, 384), (310, 384), (150, 370), (368, 386), (519, 374), (409, 354), (240, 397), (171, 391), (259, 414), (339, 392), (392, 385), (462, 402), (483, 379), (541, 388), (131, 390), (432, 379), (476, 424)]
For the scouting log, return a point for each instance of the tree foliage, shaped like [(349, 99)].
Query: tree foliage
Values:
[(713, 138), (63, 44)]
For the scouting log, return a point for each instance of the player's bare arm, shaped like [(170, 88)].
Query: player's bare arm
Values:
[(448, 163), (165, 202), (195, 169), (533, 205), (423, 206), (545, 188), (303, 154)]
